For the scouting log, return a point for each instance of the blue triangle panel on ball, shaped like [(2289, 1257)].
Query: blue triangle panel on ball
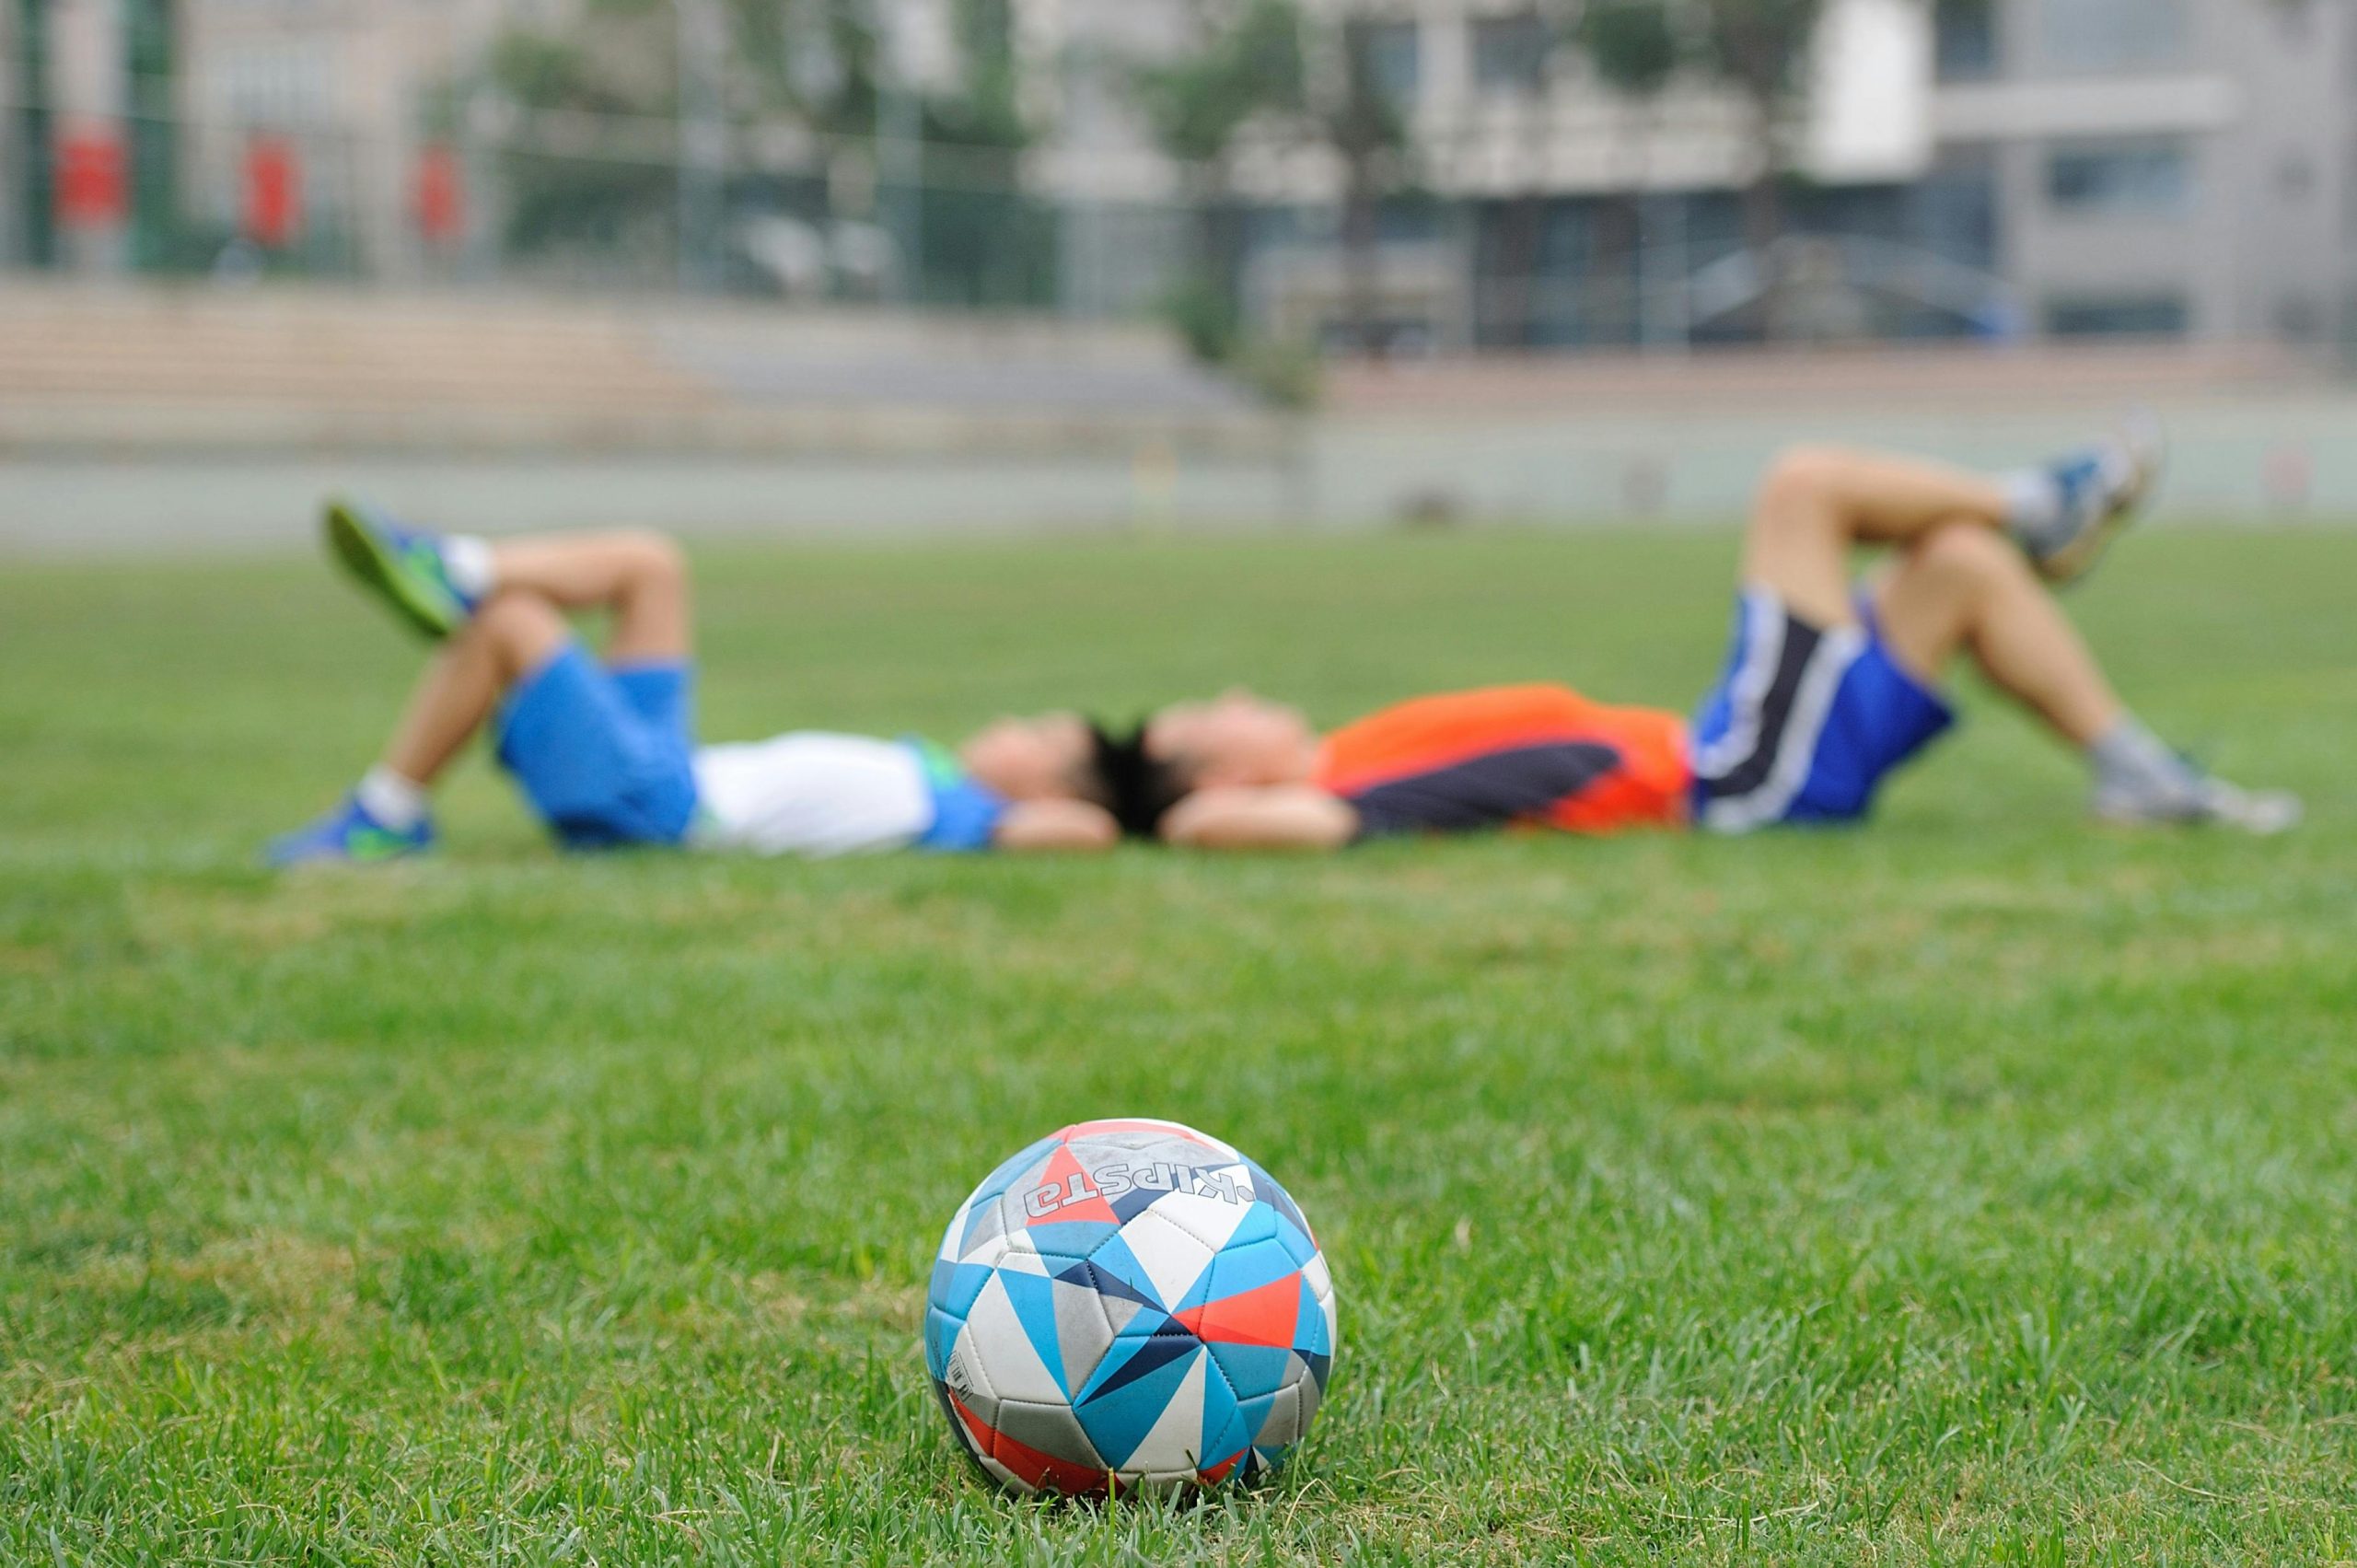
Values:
[(1255, 1372), (1118, 1418)]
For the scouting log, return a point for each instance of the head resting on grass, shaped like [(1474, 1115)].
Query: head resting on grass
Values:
[(1051, 770), (1042, 757), (1235, 740), (1139, 791)]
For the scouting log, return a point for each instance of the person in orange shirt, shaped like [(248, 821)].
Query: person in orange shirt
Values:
[(1830, 687)]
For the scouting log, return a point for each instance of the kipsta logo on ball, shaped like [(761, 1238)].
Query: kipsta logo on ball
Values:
[(1128, 1304)]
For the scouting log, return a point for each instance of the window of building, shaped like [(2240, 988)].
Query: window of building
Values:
[(1963, 40), (2150, 177), (2118, 316), (1392, 55), (2115, 35), (2300, 318), (1510, 53), (1955, 210)]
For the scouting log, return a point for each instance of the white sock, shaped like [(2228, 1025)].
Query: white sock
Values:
[(473, 568), (394, 801), (2132, 759)]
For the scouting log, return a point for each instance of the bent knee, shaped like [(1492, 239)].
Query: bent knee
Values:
[(517, 624), (1801, 479), (1798, 516), (654, 553), (1969, 553)]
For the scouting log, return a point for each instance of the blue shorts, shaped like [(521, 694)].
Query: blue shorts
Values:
[(1806, 722), (605, 756)]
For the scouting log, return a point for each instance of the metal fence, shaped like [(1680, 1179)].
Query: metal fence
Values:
[(500, 197), (553, 199)]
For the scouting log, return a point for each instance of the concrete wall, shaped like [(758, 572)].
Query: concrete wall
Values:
[(2256, 454), (2288, 170)]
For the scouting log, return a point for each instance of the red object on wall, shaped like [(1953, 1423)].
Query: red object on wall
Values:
[(441, 195), (93, 189), (273, 192)]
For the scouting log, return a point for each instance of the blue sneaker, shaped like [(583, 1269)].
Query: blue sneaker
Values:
[(409, 568), (2101, 491), (348, 836)]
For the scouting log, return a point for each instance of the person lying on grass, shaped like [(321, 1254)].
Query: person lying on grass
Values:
[(604, 748), (1830, 687)]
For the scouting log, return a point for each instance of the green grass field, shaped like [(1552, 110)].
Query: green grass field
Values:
[(1977, 1188)]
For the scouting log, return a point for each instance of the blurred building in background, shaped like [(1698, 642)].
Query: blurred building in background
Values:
[(2165, 167), (1996, 169), (188, 137), (1436, 176), (521, 262)]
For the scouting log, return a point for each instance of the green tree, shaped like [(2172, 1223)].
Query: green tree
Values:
[(1635, 49), (607, 86), (604, 191), (1367, 130), (1760, 47), (985, 241), (1633, 44), (1522, 219), (1246, 66)]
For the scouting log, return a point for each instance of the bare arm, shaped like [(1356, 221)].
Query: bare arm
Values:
[(1032, 826), (1286, 816)]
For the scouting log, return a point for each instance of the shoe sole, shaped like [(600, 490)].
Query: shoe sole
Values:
[(363, 554), (2071, 564), (2286, 817), (2084, 554)]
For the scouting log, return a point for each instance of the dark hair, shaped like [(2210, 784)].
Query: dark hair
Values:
[(1137, 789)]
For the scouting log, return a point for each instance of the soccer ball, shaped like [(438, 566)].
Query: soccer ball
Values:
[(1128, 1304)]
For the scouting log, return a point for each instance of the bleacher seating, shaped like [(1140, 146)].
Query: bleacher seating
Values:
[(292, 367)]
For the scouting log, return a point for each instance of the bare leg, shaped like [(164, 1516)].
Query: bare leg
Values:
[(518, 624), (1963, 588), (1819, 502), (1962, 584), (513, 635), (639, 575)]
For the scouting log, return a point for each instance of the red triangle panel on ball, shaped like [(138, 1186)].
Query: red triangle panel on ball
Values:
[(1263, 1316)]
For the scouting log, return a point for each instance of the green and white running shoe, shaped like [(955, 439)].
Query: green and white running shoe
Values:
[(348, 836), (410, 569)]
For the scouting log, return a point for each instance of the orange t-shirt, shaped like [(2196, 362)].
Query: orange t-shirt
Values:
[(1531, 756)]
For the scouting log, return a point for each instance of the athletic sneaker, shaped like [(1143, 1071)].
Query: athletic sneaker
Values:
[(2203, 802), (411, 569), (2101, 491), (348, 836)]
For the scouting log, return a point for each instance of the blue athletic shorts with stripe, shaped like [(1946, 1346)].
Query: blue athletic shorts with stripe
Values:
[(606, 756), (1806, 722)]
